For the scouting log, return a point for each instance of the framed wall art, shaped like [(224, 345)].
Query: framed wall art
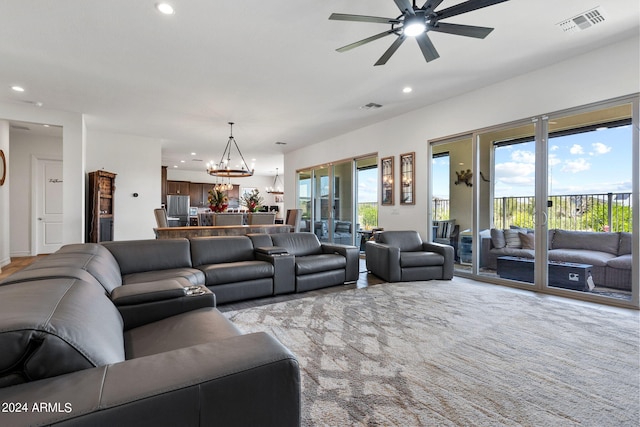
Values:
[(386, 177), (407, 178)]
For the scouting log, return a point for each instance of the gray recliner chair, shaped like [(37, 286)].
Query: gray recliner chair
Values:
[(402, 256)]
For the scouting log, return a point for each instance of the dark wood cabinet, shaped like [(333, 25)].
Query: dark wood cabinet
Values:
[(100, 207), (178, 187), (195, 193), (163, 186)]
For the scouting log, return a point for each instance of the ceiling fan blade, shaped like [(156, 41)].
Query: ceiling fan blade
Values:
[(364, 41), (392, 49), (465, 7), (404, 5), (426, 46), (362, 18), (431, 4), (461, 30)]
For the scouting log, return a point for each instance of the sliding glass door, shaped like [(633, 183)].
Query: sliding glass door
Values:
[(552, 202), (329, 196)]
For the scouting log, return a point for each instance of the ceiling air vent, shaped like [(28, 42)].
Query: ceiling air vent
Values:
[(583, 21), (370, 105)]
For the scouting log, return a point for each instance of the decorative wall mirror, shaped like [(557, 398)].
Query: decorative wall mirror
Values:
[(3, 167), (387, 180), (407, 178)]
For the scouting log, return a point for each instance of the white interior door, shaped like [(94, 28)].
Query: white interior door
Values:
[(48, 206)]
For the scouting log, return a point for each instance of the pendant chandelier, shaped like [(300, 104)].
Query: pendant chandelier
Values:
[(224, 168), (276, 188)]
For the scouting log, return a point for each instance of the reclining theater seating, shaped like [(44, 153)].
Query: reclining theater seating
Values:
[(64, 342), (316, 264), (402, 256)]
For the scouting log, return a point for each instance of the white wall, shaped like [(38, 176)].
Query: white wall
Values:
[(24, 147), (73, 136), (599, 75), (136, 161)]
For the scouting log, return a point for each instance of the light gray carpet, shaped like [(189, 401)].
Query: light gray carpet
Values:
[(457, 354)]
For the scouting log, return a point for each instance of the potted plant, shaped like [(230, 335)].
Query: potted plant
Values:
[(218, 200), (252, 200)]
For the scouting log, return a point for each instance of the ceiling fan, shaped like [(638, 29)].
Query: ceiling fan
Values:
[(417, 22)]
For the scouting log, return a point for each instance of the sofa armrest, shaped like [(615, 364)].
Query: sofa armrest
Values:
[(138, 293), (244, 380), (383, 260), (142, 303), (447, 252), (352, 255), (284, 269)]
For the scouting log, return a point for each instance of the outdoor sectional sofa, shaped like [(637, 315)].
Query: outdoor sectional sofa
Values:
[(127, 333), (608, 253)]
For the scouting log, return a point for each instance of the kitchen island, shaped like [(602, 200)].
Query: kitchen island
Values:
[(221, 230)]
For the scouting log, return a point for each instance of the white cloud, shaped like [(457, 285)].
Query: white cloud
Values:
[(576, 149), (523, 156), (600, 148), (554, 160), (578, 165), (554, 148)]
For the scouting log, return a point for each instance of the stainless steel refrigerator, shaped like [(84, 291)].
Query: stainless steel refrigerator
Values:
[(178, 210)]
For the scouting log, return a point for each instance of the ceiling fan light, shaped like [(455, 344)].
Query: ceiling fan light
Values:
[(414, 26)]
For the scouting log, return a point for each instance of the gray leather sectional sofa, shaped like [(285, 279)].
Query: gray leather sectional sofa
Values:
[(608, 253), (127, 333)]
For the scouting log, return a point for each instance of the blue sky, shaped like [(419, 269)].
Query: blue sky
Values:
[(584, 163)]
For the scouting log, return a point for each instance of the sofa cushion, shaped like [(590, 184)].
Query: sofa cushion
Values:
[(587, 240), (595, 258), (56, 326), (103, 266), (406, 240), (523, 253), (193, 275), (298, 244), (176, 332), (512, 238), (220, 249), (343, 227), (135, 256), (497, 238), (318, 263), (230, 272), (420, 259), (625, 243), (622, 262)]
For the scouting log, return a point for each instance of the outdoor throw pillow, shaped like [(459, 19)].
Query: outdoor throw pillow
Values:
[(513, 239), (527, 240), (497, 238)]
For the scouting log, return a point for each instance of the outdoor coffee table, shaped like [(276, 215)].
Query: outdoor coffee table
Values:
[(568, 275)]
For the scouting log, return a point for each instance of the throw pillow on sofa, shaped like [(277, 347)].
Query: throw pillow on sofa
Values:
[(512, 238), (497, 238), (527, 240)]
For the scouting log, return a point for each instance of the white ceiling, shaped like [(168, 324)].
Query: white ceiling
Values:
[(269, 66)]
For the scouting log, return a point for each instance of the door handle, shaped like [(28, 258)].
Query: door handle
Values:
[(39, 219)]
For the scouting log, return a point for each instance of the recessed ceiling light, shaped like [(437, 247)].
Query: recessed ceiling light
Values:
[(165, 8), (17, 88), (46, 126), (193, 154), (181, 161), (407, 90), (175, 166)]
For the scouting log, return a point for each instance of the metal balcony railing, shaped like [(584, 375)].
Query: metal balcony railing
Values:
[(583, 212)]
